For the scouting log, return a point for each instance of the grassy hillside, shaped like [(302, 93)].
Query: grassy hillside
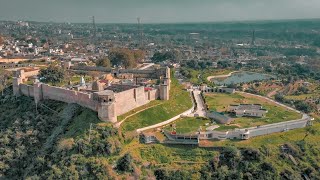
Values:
[(179, 102)]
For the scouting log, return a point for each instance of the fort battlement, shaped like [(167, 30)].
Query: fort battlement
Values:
[(109, 103)]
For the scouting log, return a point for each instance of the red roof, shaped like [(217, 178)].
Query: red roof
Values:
[(104, 81), (148, 88)]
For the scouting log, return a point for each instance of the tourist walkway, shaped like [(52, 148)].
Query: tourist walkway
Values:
[(200, 111)]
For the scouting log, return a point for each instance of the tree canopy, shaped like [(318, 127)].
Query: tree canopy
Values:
[(123, 57), (104, 62), (4, 77), (52, 74), (173, 56)]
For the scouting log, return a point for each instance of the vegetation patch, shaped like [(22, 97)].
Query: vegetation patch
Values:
[(188, 125), (82, 122), (200, 76)]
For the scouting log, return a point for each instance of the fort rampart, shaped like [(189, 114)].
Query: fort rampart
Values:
[(107, 103)]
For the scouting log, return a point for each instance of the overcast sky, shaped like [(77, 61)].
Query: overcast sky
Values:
[(157, 11)]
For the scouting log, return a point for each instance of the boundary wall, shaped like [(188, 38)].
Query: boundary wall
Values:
[(124, 101), (257, 131)]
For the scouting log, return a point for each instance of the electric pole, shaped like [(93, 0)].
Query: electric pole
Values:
[(94, 28), (140, 33)]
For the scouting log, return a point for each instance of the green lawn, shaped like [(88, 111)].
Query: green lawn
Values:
[(150, 104), (189, 125), (220, 102), (225, 127), (179, 102)]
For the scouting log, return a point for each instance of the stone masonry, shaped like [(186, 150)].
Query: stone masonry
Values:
[(108, 103)]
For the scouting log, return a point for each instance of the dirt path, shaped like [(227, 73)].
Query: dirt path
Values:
[(272, 93)]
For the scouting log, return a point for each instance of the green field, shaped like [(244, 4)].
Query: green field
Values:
[(225, 127), (189, 125), (179, 102), (220, 102)]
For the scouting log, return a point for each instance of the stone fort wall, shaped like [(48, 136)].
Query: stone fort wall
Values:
[(123, 102), (128, 100), (27, 90), (42, 91), (65, 95)]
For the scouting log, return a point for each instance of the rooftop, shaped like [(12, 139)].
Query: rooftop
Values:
[(248, 106), (119, 87)]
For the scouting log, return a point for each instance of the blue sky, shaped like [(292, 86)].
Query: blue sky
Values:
[(157, 11)]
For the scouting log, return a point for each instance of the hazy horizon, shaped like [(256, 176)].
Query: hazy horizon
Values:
[(154, 11)]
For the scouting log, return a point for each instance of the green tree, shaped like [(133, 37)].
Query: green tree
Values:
[(124, 164), (4, 77), (138, 55), (52, 74), (173, 56), (103, 62), (122, 57)]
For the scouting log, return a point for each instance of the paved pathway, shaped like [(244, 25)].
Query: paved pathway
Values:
[(200, 111)]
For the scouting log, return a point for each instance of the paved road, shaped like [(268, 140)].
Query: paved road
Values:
[(200, 111)]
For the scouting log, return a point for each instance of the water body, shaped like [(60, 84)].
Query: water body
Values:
[(241, 77)]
